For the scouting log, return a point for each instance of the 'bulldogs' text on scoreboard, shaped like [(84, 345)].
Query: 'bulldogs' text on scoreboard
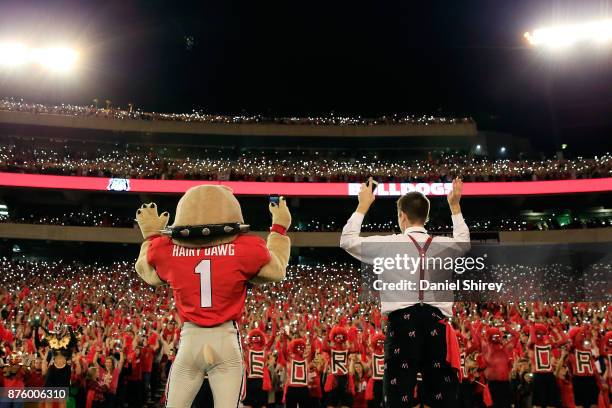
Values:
[(398, 189)]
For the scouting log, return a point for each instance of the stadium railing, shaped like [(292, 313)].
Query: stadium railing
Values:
[(299, 239)]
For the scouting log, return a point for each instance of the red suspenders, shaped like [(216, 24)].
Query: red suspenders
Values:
[(422, 251)]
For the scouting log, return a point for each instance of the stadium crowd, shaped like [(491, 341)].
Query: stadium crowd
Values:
[(108, 336), (104, 218), (19, 105), (83, 218), (475, 225), (303, 166)]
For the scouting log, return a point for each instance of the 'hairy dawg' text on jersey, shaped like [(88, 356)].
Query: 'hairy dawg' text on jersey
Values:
[(209, 283)]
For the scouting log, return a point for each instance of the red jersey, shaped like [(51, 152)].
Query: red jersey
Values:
[(498, 360), (541, 358), (255, 363), (582, 363), (378, 366), (298, 373), (359, 398), (339, 362), (209, 283)]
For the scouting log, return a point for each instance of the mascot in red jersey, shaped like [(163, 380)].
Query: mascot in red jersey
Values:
[(208, 259)]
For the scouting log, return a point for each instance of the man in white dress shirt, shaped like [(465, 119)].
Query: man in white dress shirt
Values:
[(417, 319)]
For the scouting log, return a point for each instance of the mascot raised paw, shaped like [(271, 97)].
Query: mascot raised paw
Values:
[(207, 257)]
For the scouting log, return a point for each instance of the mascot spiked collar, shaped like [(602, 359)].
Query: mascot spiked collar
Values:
[(205, 230)]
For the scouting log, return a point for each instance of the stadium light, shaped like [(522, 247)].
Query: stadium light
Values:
[(13, 54), (57, 58), (565, 35), (52, 58)]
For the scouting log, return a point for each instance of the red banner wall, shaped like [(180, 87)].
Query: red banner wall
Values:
[(303, 189)]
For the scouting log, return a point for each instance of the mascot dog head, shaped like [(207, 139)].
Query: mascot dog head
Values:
[(206, 216)]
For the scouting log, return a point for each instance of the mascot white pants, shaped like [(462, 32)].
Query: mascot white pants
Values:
[(225, 372)]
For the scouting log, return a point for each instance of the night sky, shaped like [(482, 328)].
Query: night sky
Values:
[(300, 58)]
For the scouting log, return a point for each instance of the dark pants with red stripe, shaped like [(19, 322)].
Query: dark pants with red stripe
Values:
[(416, 343)]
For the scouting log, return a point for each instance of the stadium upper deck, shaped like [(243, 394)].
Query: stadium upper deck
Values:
[(118, 120)]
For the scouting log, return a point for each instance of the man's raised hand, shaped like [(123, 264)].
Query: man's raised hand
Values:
[(366, 196), (454, 196)]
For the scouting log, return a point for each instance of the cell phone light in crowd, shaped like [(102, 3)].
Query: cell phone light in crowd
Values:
[(565, 35), (502, 150), (478, 147)]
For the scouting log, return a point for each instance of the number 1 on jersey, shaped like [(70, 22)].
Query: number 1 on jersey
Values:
[(203, 269)]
